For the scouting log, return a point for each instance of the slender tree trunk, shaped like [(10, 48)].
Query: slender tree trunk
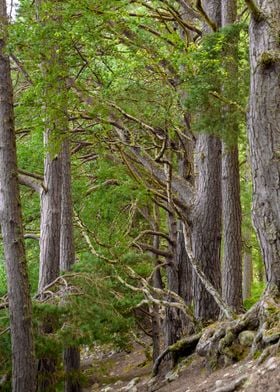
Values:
[(232, 264), (157, 283), (50, 219), (23, 359), (247, 266), (49, 254), (264, 134), (67, 259), (206, 216)]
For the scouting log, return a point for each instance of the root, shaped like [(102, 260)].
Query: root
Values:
[(255, 333), (185, 346)]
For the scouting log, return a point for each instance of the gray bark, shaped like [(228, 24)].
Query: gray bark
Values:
[(50, 219), (207, 212), (23, 360), (263, 132), (206, 224), (247, 266), (232, 263), (67, 259)]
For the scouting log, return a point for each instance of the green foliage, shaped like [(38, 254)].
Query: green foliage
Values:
[(207, 67), (257, 291)]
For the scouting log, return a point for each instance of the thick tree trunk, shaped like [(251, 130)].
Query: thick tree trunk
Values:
[(179, 277), (207, 213), (67, 259), (263, 132), (232, 264), (206, 229), (157, 283), (23, 360)]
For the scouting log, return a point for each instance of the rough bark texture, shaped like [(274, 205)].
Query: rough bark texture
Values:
[(71, 357), (50, 219), (232, 263), (264, 135), (206, 216), (206, 228), (67, 251), (23, 361), (157, 283), (247, 271), (67, 259)]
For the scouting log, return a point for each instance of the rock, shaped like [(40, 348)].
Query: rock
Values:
[(218, 383), (246, 338), (130, 387), (107, 389), (171, 376), (272, 363)]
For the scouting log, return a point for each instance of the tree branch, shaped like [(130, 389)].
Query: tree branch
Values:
[(202, 11), (31, 183), (255, 10)]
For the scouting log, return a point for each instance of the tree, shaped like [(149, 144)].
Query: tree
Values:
[(263, 132), (232, 261), (67, 258), (207, 211), (23, 372)]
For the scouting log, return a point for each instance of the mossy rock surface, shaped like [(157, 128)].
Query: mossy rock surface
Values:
[(246, 338)]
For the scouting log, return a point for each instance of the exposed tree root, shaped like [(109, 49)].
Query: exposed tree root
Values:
[(184, 347), (256, 333), (252, 335)]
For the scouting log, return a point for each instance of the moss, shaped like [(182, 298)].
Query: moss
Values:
[(257, 354), (269, 58)]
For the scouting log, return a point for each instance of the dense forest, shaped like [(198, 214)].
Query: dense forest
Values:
[(139, 188)]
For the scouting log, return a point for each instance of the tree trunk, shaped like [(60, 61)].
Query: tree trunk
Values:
[(263, 132), (176, 323), (67, 259), (232, 263), (49, 253), (247, 266), (50, 219), (207, 212), (23, 360), (206, 229)]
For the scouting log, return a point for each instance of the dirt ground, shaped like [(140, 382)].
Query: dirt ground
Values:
[(131, 372)]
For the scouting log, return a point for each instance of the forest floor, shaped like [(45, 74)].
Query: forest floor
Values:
[(131, 372)]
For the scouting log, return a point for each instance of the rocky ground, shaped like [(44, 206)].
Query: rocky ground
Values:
[(131, 372)]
